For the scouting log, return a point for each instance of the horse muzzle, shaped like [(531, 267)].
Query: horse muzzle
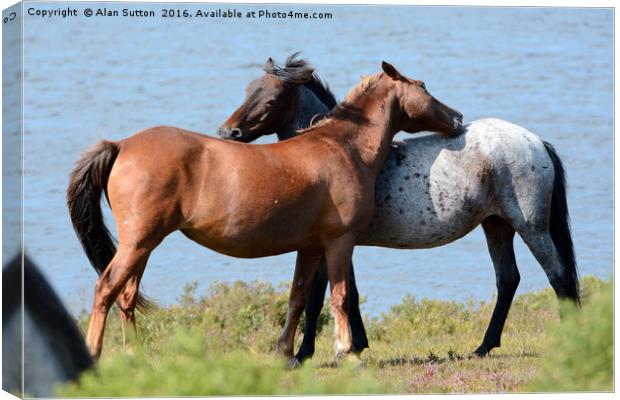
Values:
[(457, 120), (228, 133)]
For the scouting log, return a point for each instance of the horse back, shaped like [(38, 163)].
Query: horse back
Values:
[(434, 190)]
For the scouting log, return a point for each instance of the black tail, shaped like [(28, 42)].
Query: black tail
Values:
[(88, 180), (560, 227)]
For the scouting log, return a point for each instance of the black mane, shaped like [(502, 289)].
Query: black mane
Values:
[(296, 71), (322, 91)]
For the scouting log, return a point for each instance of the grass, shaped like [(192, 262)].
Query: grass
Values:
[(223, 343)]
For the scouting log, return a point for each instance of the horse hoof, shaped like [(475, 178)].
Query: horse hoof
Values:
[(301, 359), (94, 355), (357, 350), (293, 363), (304, 355), (482, 351)]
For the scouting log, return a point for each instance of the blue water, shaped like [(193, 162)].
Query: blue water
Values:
[(549, 70)]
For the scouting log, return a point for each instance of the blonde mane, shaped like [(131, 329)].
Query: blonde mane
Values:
[(366, 82)]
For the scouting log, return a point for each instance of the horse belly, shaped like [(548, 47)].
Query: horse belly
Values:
[(417, 227), (426, 203), (248, 245), (275, 227)]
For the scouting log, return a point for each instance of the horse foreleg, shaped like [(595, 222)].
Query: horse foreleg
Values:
[(499, 235), (313, 309), (305, 268), (338, 255), (358, 333), (125, 263)]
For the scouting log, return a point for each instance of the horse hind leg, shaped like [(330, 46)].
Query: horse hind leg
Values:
[(499, 235), (546, 253), (125, 264), (126, 309), (127, 301)]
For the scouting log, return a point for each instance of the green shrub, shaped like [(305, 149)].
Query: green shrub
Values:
[(579, 354), (223, 343), (194, 365), (237, 316)]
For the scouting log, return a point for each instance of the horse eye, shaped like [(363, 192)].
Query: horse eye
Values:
[(423, 86)]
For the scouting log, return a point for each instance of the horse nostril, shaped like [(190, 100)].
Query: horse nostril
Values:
[(457, 119), (227, 132), (223, 131)]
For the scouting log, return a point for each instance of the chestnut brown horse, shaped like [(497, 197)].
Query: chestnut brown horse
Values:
[(296, 92), (432, 191), (312, 194)]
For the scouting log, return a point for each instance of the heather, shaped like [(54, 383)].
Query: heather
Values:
[(223, 343)]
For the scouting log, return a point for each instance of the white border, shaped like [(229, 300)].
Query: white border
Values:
[(484, 3)]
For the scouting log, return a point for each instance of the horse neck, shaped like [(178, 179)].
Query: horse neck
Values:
[(307, 106), (370, 127)]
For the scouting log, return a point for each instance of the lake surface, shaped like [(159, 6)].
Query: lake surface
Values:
[(549, 70)]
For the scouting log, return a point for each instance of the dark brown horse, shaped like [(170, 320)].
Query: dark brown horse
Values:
[(313, 194)]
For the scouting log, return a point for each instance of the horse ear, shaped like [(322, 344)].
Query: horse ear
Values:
[(391, 71), (268, 64)]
